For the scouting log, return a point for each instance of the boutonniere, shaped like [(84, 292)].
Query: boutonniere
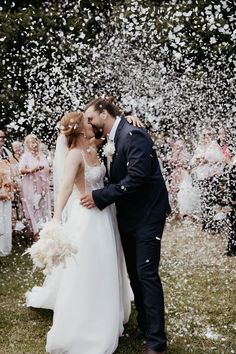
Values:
[(109, 149)]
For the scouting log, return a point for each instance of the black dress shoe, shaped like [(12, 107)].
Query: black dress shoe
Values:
[(137, 334), (150, 351)]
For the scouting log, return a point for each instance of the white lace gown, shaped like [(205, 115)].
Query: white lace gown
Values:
[(91, 296)]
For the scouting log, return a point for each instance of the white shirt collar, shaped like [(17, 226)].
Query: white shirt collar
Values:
[(111, 135)]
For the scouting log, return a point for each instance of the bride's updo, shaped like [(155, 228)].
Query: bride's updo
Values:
[(71, 125)]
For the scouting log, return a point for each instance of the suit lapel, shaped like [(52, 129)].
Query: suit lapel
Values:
[(119, 128), (118, 131), (106, 165)]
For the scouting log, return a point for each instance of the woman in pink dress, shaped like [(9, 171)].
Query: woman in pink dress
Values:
[(35, 185), (17, 206), (222, 141)]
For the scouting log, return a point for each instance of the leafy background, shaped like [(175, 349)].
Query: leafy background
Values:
[(170, 62)]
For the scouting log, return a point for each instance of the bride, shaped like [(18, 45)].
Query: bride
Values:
[(90, 297)]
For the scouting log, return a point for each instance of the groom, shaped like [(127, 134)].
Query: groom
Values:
[(139, 192)]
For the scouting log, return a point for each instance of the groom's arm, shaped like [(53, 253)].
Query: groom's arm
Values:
[(139, 154)]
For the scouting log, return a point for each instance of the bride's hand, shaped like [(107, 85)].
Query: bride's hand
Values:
[(87, 201), (135, 121)]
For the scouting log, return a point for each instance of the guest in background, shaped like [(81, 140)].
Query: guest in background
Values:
[(17, 205), (222, 141), (231, 249), (34, 168), (188, 197), (44, 149), (208, 164), (165, 152), (5, 153), (18, 149), (179, 164), (6, 195)]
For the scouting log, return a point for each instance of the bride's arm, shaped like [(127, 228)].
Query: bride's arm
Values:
[(72, 164), (135, 121)]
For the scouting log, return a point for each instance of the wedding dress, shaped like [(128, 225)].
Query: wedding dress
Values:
[(91, 296)]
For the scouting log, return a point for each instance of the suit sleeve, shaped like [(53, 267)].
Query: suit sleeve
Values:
[(139, 154)]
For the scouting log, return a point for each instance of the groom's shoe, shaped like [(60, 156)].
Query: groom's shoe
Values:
[(150, 351), (137, 334)]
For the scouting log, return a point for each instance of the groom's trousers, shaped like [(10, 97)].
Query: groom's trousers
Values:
[(142, 253)]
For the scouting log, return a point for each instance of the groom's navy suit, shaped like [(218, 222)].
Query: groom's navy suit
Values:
[(139, 192)]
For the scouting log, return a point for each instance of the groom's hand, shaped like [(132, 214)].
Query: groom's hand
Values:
[(87, 201)]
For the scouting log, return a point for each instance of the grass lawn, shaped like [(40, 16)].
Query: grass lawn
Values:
[(200, 294)]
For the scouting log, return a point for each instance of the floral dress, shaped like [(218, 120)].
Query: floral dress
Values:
[(36, 190)]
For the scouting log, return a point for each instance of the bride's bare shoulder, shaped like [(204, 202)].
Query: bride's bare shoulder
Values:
[(75, 151), (74, 154)]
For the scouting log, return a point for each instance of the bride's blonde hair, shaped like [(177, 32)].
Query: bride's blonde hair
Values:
[(71, 125)]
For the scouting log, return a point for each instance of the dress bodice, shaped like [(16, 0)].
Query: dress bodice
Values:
[(94, 176), (94, 179)]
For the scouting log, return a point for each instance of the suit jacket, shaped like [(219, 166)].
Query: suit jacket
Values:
[(136, 183)]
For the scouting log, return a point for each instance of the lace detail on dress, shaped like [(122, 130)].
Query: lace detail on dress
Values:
[(94, 179), (94, 176)]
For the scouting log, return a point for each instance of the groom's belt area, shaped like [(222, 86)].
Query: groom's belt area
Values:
[(139, 209)]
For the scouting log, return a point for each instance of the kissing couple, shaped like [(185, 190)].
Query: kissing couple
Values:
[(117, 225)]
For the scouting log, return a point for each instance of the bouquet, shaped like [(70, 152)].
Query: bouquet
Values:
[(52, 248)]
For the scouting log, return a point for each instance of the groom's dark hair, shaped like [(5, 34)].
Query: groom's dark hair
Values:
[(100, 104)]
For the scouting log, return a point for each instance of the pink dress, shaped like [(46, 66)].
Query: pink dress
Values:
[(226, 151), (36, 191)]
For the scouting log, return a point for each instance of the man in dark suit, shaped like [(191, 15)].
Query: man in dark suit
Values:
[(138, 189)]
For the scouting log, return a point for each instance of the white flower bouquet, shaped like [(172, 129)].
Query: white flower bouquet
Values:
[(109, 149), (53, 248)]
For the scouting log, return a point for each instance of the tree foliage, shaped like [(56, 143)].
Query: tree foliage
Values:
[(58, 54)]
